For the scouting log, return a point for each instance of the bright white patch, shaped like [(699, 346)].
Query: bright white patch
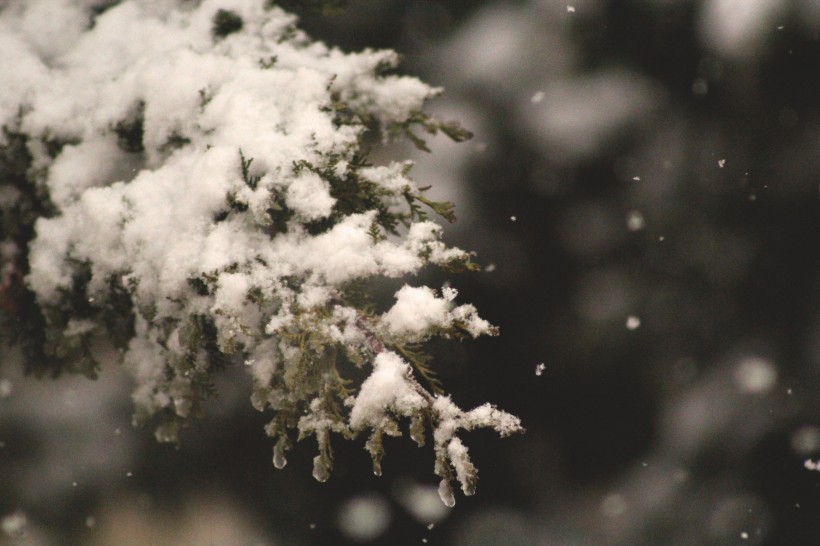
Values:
[(635, 221), (309, 196), (423, 503), (13, 524), (417, 309), (364, 518), (738, 28), (387, 389), (755, 375)]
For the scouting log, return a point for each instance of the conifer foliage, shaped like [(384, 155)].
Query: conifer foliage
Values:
[(190, 181)]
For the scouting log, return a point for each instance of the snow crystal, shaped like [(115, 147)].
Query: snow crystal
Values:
[(633, 322), (539, 369)]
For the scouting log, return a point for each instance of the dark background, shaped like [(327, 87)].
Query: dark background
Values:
[(658, 160)]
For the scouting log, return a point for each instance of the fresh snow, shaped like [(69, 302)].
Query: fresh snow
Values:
[(140, 123)]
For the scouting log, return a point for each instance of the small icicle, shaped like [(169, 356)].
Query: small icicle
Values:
[(377, 467), (279, 459), (417, 431), (445, 492), (320, 471)]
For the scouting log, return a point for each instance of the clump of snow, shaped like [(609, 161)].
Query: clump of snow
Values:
[(390, 177), (387, 390), (418, 312), (309, 196)]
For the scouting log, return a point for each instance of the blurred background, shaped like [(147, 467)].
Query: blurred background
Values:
[(643, 191)]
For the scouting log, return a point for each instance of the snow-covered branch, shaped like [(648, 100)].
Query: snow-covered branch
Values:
[(191, 183)]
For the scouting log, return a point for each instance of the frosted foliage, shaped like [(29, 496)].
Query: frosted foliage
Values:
[(387, 389), (205, 200), (418, 311)]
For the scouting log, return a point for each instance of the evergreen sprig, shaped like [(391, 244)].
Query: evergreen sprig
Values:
[(239, 239)]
